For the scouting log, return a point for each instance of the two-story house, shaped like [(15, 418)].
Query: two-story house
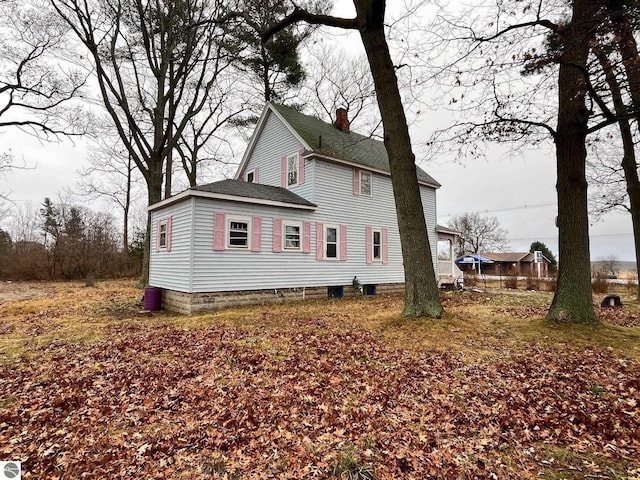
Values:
[(310, 213)]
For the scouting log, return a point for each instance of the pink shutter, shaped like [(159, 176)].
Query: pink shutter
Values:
[(256, 178), (218, 231), (283, 172), (319, 241), (169, 234), (306, 237), (356, 181), (385, 245), (277, 234), (256, 234), (343, 242), (300, 167), (244, 176), (369, 239), (157, 236)]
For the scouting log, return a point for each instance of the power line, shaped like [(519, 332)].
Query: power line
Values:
[(555, 237), (505, 209)]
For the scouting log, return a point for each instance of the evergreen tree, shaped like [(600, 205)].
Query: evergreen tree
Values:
[(275, 67), (539, 246)]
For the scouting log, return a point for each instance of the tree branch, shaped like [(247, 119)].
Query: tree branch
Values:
[(299, 14)]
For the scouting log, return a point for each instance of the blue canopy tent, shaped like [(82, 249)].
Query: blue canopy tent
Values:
[(473, 260)]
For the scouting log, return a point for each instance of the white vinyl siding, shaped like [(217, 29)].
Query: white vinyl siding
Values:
[(236, 269), (275, 142), (337, 205), (172, 269)]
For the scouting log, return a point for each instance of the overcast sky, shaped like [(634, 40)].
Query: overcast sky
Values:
[(519, 191)]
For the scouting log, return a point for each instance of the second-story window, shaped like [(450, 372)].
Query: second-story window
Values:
[(365, 183), (251, 176), (292, 170)]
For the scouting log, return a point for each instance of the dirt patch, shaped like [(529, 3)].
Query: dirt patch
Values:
[(18, 291)]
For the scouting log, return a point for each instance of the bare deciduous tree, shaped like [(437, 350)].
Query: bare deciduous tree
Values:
[(111, 174), (338, 80), (155, 64), (37, 84), (521, 71), (479, 234)]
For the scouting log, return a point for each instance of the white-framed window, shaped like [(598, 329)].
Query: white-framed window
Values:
[(251, 176), (162, 235), (331, 242), (238, 232), (291, 235), (376, 242), (365, 183), (292, 170)]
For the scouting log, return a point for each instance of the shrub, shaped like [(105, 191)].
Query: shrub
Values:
[(511, 282), (548, 284), (599, 283), (470, 280), (533, 283)]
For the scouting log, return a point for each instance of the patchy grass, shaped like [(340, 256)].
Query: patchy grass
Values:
[(342, 389)]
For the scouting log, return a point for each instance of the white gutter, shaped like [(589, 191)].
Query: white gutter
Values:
[(361, 166), (221, 196)]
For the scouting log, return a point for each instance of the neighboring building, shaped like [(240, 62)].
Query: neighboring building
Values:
[(513, 264), (449, 275), (309, 214)]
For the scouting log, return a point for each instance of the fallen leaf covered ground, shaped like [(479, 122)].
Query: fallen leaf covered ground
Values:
[(91, 389)]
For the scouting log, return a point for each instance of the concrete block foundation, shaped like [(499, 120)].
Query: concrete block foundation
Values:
[(187, 303)]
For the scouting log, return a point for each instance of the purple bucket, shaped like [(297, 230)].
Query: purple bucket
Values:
[(152, 299)]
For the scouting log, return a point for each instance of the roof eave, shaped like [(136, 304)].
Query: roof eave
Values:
[(258, 131), (331, 158), (227, 197)]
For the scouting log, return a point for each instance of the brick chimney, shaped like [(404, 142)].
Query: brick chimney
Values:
[(342, 120)]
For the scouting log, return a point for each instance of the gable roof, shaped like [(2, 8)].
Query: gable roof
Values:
[(322, 138), (513, 257), (241, 191), (239, 188)]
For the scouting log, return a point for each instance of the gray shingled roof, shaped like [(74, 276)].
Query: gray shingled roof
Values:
[(240, 188), (508, 256), (326, 139)]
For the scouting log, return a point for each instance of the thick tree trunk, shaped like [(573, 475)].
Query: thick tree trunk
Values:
[(573, 300), (631, 61), (421, 290), (630, 168), (629, 163)]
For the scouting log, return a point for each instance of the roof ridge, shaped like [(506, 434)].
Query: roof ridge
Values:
[(324, 138)]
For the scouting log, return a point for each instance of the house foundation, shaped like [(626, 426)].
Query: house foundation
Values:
[(188, 303)]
